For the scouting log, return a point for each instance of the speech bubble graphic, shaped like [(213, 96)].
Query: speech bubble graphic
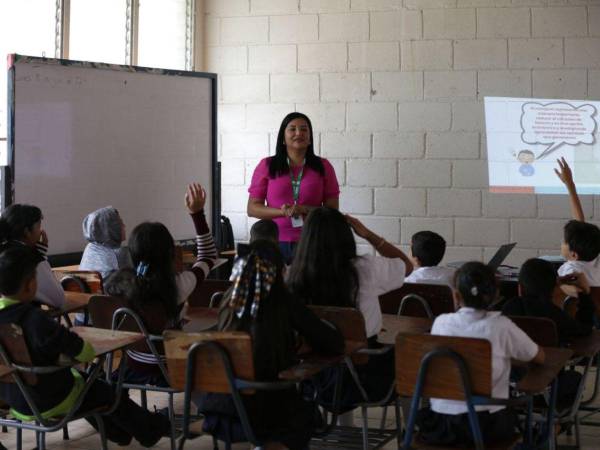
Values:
[(556, 124)]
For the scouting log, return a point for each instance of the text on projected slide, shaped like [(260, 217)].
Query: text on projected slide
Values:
[(526, 136)]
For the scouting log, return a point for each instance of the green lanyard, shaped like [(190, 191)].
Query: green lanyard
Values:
[(296, 181)]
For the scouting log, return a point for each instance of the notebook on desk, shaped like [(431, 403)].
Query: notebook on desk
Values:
[(495, 261)]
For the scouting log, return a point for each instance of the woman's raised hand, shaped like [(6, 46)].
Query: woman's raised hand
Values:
[(195, 198)]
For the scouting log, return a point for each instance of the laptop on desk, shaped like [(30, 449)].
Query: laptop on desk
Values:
[(495, 261)]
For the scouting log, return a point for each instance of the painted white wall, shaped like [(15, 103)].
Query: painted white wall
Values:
[(395, 89)]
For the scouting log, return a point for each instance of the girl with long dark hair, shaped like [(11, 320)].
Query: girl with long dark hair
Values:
[(259, 304), (287, 186), (153, 288), (327, 271)]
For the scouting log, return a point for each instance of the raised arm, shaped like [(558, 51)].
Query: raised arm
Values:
[(379, 243), (566, 176), (195, 198)]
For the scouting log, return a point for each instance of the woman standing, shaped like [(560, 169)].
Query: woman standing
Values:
[(287, 186)]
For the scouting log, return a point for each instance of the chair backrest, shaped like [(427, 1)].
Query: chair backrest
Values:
[(350, 322), (88, 281), (101, 309), (415, 306), (204, 292), (15, 348), (438, 296), (211, 375), (541, 330), (443, 379)]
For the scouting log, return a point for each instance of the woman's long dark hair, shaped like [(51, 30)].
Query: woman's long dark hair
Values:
[(323, 272), (151, 245), (16, 219), (278, 164)]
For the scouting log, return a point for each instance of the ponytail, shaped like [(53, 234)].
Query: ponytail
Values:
[(476, 283)]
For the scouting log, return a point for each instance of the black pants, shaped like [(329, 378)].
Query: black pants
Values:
[(128, 420), (446, 429)]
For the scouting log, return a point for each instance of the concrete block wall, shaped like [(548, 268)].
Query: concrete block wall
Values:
[(395, 89)]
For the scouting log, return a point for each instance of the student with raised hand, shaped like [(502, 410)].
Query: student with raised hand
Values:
[(55, 393), (153, 288), (259, 304), (566, 176), (327, 271), (287, 186), (445, 421), (21, 225), (105, 231), (581, 249)]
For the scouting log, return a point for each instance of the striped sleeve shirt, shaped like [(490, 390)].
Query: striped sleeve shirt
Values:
[(189, 280)]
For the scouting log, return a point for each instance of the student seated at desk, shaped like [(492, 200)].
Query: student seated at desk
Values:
[(56, 393), (154, 290), (104, 230), (537, 281), (327, 271), (264, 229), (581, 243), (21, 225), (259, 303), (427, 250), (446, 421)]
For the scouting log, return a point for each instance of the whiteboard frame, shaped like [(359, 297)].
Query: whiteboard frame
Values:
[(8, 180)]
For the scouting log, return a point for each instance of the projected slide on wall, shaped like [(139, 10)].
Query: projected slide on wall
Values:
[(526, 136)]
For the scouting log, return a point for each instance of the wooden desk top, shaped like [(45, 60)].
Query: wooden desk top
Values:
[(200, 318), (107, 341), (74, 302), (540, 376), (392, 325), (312, 363), (66, 268), (586, 346)]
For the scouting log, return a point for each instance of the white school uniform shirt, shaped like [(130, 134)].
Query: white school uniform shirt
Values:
[(508, 342), (376, 275), (591, 269), (432, 275)]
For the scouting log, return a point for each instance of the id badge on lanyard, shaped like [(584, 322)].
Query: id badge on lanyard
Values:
[(297, 221)]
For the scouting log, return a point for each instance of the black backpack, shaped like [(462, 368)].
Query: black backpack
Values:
[(225, 240)]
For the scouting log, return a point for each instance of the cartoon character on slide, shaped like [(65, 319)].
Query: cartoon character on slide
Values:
[(526, 158)]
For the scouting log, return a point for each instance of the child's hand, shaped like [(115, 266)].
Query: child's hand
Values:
[(44, 238), (195, 198), (565, 174), (358, 227)]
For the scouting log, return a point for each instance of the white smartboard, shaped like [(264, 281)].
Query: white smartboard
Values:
[(86, 135)]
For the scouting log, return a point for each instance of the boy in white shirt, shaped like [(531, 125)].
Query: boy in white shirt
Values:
[(446, 421), (581, 243), (427, 250)]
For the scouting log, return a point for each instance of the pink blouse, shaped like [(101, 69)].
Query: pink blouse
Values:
[(314, 191)]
